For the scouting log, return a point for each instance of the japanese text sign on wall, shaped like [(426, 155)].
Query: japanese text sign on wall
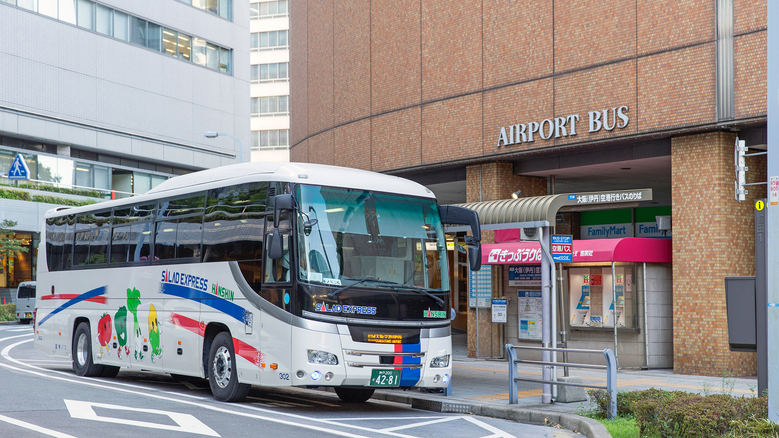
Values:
[(562, 247), (524, 275), (499, 310)]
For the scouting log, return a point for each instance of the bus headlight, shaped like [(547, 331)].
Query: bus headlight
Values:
[(440, 362), (322, 357)]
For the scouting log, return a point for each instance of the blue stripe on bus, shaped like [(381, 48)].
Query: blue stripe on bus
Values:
[(85, 296), (210, 300), (411, 376)]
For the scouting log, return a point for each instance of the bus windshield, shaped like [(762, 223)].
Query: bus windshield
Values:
[(364, 239)]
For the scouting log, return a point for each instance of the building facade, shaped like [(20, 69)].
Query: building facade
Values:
[(480, 100), (270, 80), (107, 99)]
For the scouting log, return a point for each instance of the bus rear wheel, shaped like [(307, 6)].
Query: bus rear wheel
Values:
[(354, 395), (222, 372), (82, 353)]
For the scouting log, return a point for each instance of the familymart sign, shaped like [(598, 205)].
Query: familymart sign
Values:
[(608, 119)]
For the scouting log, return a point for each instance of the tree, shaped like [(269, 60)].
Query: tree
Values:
[(9, 244)]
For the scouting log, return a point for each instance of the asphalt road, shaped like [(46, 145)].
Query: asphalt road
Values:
[(42, 396)]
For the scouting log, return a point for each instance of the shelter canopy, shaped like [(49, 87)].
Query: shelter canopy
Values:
[(541, 211)]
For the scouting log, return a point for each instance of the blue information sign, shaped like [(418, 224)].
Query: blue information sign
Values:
[(524, 275), (562, 247)]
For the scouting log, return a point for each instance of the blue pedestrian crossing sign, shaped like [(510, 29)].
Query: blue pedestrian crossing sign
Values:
[(19, 169)]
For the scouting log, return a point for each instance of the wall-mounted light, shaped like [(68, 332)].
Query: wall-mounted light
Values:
[(516, 194)]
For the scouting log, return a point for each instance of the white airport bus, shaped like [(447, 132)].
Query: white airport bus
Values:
[(272, 274)]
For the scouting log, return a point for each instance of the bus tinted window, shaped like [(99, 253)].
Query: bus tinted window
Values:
[(131, 243), (181, 207), (92, 232), (178, 239), (235, 223), (165, 241), (126, 215)]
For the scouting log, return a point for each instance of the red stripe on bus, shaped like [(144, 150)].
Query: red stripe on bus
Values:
[(398, 359), (99, 300), (188, 323), (248, 352)]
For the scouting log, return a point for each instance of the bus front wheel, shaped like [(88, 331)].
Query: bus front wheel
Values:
[(222, 372), (354, 395), (82, 353)]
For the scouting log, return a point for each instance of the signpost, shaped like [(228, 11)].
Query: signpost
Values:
[(499, 310), (562, 248), (19, 169)]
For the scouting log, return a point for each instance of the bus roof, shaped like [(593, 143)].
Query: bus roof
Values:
[(303, 173)]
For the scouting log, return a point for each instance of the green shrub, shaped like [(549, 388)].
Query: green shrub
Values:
[(625, 400), (14, 194), (60, 201), (55, 189), (753, 428), (7, 312)]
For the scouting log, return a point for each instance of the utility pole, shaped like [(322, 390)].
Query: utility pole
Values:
[(772, 210)]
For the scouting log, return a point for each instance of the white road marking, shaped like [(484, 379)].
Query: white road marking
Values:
[(420, 424), (101, 384), (497, 432), (184, 422), (34, 427), (294, 420)]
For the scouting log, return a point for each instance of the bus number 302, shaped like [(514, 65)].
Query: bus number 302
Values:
[(283, 376)]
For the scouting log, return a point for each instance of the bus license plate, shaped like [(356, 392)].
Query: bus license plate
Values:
[(385, 378), (28, 315)]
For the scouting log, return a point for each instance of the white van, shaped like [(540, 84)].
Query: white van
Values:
[(25, 301)]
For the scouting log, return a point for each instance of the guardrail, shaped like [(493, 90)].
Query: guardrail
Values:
[(610, 367)]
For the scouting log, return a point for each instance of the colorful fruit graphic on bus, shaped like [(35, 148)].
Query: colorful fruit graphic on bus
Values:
[(104, 333), (154, 333), (120, 325), (133, 301)]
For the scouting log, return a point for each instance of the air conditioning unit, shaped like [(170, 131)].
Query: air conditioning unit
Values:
[(528, 234)]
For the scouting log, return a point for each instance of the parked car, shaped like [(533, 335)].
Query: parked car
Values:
[(25, 301)]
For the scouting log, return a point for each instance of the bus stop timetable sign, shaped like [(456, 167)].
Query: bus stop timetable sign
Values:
[(562, 248)]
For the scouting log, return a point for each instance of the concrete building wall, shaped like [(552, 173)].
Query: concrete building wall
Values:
[(71, 84)]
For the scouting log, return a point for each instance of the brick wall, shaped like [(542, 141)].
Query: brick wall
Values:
[(713, 239), (489, 182)]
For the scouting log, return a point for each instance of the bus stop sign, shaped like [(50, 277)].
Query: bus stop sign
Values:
[(19, 169)]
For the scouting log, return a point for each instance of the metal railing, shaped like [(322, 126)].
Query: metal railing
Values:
[(610, 367)]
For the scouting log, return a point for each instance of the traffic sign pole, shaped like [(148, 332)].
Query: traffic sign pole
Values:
[(772, 210)]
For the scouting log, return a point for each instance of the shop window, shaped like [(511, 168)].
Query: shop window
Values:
[(592, 297)]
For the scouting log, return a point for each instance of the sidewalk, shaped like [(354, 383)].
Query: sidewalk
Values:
[(480, 386)]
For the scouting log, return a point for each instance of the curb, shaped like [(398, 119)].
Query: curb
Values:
[(583, 425)]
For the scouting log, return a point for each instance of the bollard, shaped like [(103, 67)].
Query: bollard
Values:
[(3, 300)]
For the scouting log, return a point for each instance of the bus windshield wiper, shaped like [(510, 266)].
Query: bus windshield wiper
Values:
[(420, 289), (356, 281)]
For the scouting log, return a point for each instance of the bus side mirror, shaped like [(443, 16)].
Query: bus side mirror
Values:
[(275, 246), (456, 215), (474, 256), (282, 202)]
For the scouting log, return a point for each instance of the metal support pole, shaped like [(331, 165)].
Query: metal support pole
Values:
[(646, 322), (611, 381), (511, 354), (546, 314), (562, 319), (614, 303)]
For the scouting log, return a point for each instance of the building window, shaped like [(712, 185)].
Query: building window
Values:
[(110, 22), (221, 8), (268, 9), (275, 39), (275, 72), (270, 106), (271, 140)]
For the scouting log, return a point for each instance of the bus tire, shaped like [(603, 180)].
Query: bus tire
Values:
[(354, 395), (109, 371), (82, 353), (222, 372)]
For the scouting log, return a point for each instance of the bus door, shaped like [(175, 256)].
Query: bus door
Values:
[(277, 289)]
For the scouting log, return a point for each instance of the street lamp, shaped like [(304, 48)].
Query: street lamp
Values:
[(214, 134)]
